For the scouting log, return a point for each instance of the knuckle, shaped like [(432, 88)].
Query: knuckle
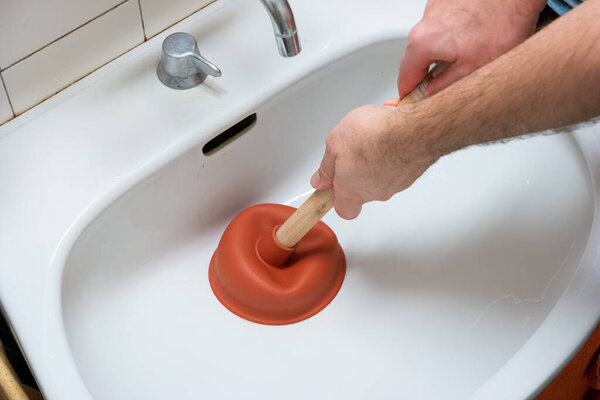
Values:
[(418, 34), (383, 196), (330, 142)]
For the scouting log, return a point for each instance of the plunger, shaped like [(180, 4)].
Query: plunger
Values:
[(264, 273), (276, 265)]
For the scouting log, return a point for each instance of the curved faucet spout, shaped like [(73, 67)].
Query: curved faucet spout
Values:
[(284, 26)]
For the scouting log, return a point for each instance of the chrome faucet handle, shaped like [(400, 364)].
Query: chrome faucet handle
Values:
[(181, 65)]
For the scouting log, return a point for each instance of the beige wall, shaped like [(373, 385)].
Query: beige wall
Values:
[(45, 45)]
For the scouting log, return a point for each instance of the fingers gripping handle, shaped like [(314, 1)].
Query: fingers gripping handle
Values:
[(321, 201), (418, 93)]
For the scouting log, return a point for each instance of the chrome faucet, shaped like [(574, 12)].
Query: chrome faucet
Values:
[(181, 65), (284, 26)]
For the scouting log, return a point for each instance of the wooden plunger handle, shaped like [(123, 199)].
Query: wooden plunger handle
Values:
[(305, 217), (321, 201)]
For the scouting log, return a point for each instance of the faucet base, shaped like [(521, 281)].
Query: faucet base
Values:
[(179, 83), (181, 64)]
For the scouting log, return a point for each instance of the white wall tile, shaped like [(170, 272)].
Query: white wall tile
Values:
[(28, 25), (159, 14), (51, 69), (5, 110)]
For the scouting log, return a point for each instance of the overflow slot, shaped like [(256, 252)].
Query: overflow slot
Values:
[(227, 136)]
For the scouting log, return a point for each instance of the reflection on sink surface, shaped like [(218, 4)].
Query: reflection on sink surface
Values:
[(445, 282)]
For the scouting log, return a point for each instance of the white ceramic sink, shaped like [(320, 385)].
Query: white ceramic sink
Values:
[(480, 281)]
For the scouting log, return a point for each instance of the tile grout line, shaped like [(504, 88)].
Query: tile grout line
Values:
[(12, 109), (142, 19), (78, 79), (180, 19), (66, 34)]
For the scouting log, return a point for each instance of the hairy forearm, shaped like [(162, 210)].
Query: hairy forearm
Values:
[(549, 81)]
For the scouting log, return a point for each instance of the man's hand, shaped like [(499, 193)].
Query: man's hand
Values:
[(548, 81), (467, 33), (369, 156)]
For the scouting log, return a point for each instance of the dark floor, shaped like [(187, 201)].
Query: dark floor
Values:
[(13, 352)]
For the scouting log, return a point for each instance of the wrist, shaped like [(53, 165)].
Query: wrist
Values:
[(418, 130)]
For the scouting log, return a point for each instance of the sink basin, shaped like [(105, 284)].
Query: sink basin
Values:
[(459, 270), (458, 287)]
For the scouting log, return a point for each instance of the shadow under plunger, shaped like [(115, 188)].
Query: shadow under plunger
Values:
[(276, 265)]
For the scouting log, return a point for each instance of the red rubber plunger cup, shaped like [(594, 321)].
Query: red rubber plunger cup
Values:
[(276, 265)]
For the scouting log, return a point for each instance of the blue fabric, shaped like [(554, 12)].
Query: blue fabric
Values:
[(562, 6)]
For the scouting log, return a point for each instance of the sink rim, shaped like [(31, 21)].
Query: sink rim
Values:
[(579, 295)]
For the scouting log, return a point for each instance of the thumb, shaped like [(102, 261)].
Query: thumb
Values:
[(323, 178)]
